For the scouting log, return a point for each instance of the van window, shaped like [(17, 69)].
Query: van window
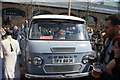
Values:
[(56, 30)]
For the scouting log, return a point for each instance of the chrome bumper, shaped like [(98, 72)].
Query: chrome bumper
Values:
[(76, 75)]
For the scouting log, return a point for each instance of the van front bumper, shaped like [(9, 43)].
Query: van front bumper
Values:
[(75, 75)]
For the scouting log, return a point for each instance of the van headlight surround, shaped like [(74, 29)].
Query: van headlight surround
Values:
[(37, 61), (85, 59)]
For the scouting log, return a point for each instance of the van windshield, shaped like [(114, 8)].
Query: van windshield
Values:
[(57, 30)]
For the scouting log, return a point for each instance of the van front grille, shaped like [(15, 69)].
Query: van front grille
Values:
[(62, 68)]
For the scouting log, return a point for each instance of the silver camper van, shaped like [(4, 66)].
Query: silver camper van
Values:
[(56, 46)]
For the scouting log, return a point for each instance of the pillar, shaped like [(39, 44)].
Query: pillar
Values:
[(0, 13)]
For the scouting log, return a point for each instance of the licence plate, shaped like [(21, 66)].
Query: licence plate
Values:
[(63, 60)]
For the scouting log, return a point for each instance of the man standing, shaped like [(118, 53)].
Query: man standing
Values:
[(2, 32), (15, 32), (111, 28)]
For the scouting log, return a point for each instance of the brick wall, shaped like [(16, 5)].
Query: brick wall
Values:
[(0, 13), (29, 9)]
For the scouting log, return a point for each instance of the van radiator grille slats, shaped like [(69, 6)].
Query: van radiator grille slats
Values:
[(62, 68)]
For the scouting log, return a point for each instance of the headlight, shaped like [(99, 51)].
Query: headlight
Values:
[(85, 59), (37, 61), (90, 57)]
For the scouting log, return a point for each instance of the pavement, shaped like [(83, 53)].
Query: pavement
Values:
[(0, 68), (23, 71)]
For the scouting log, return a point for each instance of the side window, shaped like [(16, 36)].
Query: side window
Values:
[(36, 31)]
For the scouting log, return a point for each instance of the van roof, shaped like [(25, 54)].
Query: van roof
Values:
[(58, 17)]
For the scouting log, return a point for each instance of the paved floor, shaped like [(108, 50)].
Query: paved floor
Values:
[(23, 70), (0, 68)]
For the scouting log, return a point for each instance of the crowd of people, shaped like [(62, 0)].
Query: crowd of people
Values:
[(109, 52), (97, 38)]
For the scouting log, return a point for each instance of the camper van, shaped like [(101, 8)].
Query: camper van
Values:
[(56, 46)]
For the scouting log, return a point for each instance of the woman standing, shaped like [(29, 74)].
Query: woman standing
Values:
[(114, 65), (111, 71), (11, 50)]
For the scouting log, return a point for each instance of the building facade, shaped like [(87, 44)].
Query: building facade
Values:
[(14, 13)]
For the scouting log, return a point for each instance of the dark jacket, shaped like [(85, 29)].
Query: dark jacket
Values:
[(107, 53)]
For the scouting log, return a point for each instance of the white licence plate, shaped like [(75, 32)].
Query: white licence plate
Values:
[(63, 60)]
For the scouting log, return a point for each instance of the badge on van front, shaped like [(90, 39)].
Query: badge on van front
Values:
[(63, 60)]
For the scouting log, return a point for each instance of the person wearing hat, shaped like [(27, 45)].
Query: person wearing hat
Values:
[(11, 50)]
